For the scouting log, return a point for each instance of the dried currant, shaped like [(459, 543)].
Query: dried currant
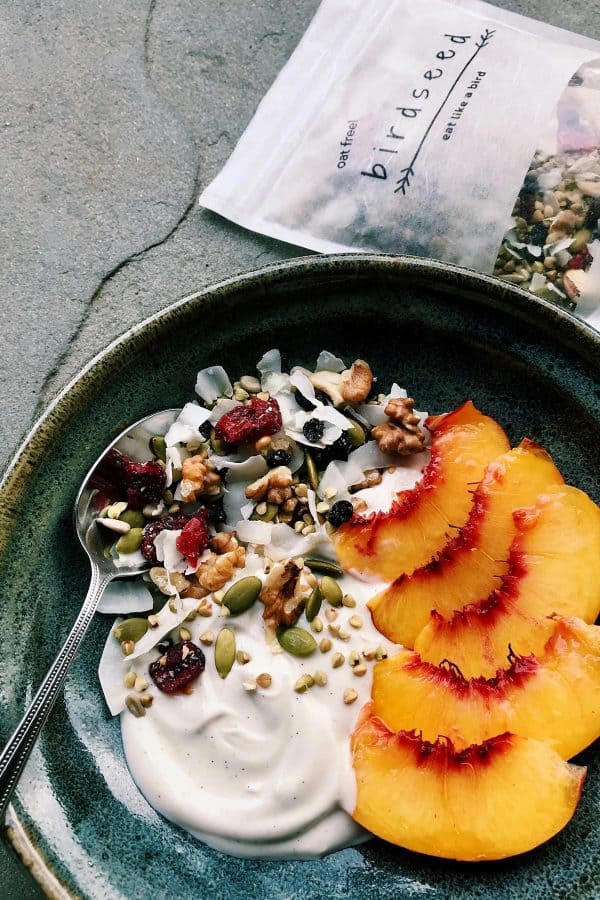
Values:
[(278, 458), (341, 511), (194, 538), (306, 404), (152, 529), (313, 430), (250, 421), (180, 665)]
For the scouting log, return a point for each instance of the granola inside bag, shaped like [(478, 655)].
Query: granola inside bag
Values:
[(427, 129)]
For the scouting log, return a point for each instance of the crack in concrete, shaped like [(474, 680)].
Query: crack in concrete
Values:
[(47, 389)]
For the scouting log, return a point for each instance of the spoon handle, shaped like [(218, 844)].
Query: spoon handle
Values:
[(17, 750)]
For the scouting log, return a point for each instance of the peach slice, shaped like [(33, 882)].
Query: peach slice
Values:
[(468, 567), (488, 801), (418, 525), (553, 698), (553, 570)]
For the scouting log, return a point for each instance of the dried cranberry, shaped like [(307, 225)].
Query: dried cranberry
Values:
[(152, 529), (144, 482), (249, 422), (120, 478), (193, 539), (580, 260), (180, 665)]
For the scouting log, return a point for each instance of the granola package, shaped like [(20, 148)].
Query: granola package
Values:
[(451, 129)]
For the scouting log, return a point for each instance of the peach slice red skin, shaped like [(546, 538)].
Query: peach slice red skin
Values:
[(488, 801), (553, 570), (418, 525), (468, 567), (554, 697)]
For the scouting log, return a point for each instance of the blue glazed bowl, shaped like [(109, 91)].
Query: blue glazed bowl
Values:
[(445, 333)]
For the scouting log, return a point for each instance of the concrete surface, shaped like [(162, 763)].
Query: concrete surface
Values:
[(113, 116)]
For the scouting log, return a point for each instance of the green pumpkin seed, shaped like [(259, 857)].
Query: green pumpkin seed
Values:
[(219, 447), (331, 591), (131, 630), (133, 517), (313, 604), (159, 447), (325, 566), (242, 595), (311, 470), (224, 651), (356, 434), (131, 541), (268, 516), (297, 641)]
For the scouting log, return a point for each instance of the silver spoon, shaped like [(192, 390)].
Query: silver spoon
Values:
[(134, 442)]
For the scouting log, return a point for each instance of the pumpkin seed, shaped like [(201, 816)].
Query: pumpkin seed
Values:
[(135, 706), (311, 470), (158, 447), (133, 517), (242, 595), (131, 630), (325, 566), (331, 590), (267, 516), (224, 651), (313, 604), (130, 542), (297, 641), (219, 447), (356, 434)]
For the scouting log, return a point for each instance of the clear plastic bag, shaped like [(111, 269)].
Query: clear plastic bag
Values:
[(450, 129)]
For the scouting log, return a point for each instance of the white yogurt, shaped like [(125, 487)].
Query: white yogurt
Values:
[(263, 773)]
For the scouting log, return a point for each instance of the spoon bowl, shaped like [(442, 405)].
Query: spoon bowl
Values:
[(134, 442)]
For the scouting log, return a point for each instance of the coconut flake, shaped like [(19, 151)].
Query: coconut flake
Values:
[(395, 392), (165, 546), (187, 424), (300, 380), (213, 382), (562, 244), (247, 470), (112, 669), (272, 379), (538, 282), (373, 413), (221, 407), (129, 560), (369, 456), (254, 531), (328, 362), (175, 457), (125, 595), (235, 502), (167, 621), (312, 505), (285, 543)]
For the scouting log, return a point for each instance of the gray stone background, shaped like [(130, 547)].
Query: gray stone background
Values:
[(113, 117)]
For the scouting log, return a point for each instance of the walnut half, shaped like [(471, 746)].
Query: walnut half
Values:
[(284, 594), (274, 487), (198, 477), (402, 434)]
